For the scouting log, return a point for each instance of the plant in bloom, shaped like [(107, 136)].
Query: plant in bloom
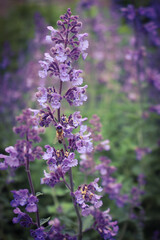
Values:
[(68, 45)]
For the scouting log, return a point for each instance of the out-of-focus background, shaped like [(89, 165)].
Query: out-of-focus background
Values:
[(123, 77)]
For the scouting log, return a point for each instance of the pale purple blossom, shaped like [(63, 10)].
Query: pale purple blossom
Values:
[(77, 119), (32, 204), (53, 33), (45, 65), (76, 96), (42, 96), (64, 76), (83, 142), (83, 44), (76, 78), (55, 100), (11, 160), (60, 53)]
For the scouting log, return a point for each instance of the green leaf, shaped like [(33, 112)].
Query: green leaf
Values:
[(39, 194), (44, 220)]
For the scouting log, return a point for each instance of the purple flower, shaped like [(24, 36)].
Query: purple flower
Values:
[(141, 180), (23, 149), (69, 162), (83, 142), (53, 33), (48, 154), (104, 225), (38, 234), (147, 11), (86, 194), (76, 95), (83, 44), (64, 76), (55, 100), (3, 165), (45, 65), (53, 157), (10, 160), (155, 108), (151, 27), (76, 79), (129, 12), (20, 152), (20, 197), (28, 126), (52, 178), (59, 163), (31, 204), (42, 96), (104, 145), (22, 218), (44, 117), (141, 152), (60, 52), (77, 119)]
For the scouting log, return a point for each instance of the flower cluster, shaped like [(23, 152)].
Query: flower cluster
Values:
[(22, 198), (104, 225), (23, 218), (86, 194), (59, 163), (24, 148)]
